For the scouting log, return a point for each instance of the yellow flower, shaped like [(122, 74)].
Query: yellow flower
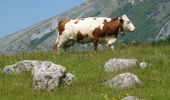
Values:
[(106, 97), (127, 94), (113, 98)]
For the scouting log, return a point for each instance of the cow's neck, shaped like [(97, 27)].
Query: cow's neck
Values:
[(121, 30)]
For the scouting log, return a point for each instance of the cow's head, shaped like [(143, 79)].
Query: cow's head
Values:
[(127, 25)]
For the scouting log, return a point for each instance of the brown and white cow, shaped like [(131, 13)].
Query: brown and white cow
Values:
[(91, 29)]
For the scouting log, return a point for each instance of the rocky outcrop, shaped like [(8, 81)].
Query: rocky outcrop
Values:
[(46, 75), (123, 80), (118, 64)]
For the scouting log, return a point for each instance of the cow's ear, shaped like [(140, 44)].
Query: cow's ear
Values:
[(121, 20)]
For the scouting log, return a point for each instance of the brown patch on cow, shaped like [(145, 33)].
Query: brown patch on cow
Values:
[(61, 25), (110, 28), (80, 36), (94, 18), (76, 21)]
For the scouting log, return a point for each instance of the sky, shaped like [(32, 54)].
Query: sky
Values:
[(19, 14)]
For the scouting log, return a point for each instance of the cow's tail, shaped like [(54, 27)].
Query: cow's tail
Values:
[(57, 39)]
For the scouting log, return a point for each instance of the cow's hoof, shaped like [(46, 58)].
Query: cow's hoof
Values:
[(54, 47), (112, 48)]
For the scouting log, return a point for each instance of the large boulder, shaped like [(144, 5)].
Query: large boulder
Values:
[(46, 75), (49, 75), (123, 80), (118, 64)]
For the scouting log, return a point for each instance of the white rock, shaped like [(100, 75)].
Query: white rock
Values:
[(68, 79), (143, 65), (47, 75), (17, 68), (123, 80), (130, 98), (118, 64)]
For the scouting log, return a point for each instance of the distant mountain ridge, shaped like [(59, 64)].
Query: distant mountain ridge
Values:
[(151, 18)]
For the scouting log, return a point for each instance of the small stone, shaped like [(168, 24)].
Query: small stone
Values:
[(143, 65), (123, 80), (69, 79), (130, 98)]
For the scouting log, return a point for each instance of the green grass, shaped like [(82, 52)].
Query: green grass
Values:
[(88, 68)]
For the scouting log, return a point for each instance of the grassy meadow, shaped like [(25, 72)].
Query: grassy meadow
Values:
[(87, 66)]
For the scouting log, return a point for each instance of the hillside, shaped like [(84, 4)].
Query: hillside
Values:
[(88, 67), (151, 18)]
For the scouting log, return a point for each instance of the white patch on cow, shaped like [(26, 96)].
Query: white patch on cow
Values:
[(86, 26), (127, 24)]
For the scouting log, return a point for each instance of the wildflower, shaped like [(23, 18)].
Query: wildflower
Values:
[(127, 94), (113, 98), (106, 97)]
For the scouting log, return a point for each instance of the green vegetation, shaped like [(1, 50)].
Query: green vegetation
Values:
[(162, 42), (88, 68)]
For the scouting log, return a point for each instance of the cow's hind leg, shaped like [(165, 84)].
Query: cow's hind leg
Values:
[(55, 44), (96, 38), (68, 44), (95, 43), (111, 42), (61, 42)]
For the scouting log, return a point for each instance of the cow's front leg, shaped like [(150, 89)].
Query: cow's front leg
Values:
[(95, 43), (96, 35), (110, 43), (112, 46)]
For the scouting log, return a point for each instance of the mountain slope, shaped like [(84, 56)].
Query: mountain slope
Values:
[(151, 18)]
